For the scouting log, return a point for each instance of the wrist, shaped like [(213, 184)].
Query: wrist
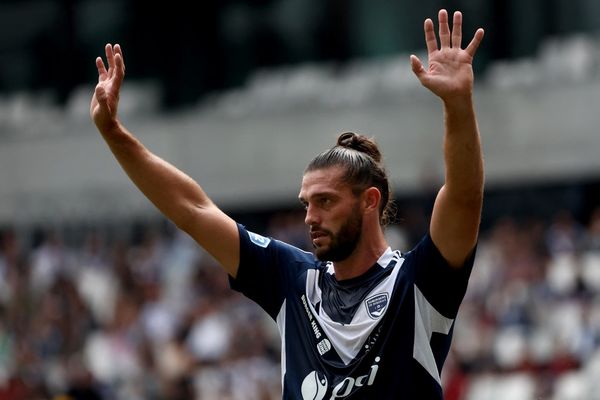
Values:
[(109, 127), (458, 103)]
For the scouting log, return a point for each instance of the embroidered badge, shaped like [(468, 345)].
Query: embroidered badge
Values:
[(376, 305)]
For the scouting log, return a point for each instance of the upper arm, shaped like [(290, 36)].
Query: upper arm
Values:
[(455, 225), (178, 197), (217, 233)]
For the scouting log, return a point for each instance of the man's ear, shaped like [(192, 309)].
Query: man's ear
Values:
[(371, 199)]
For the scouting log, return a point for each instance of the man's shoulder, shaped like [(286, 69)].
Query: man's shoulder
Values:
[(283, 250)]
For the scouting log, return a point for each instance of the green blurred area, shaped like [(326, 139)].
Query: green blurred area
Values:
[(195, 48)]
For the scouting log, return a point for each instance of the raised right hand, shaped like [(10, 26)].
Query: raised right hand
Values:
[(103, 108)]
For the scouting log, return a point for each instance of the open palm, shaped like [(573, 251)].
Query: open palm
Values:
[(450, 72), (104, 104)]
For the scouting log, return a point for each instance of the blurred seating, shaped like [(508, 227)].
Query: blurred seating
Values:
[(148, 315)]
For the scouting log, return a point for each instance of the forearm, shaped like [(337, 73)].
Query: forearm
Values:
[(457, 210), (173, 192), (463, 156), (456, 213)]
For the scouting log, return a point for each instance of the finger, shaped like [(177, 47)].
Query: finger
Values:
[(417, 66), (457, 30), (444, 29), (119, 50), (477, 38), (119, 71), (430, 39), (110, 58), (102, 73)]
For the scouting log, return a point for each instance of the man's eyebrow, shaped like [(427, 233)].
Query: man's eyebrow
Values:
[(324, 193)]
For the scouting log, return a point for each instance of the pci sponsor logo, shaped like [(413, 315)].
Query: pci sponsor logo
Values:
[(376, 305), (315, 384)]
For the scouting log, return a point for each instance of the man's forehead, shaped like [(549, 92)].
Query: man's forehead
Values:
[(322, 180)]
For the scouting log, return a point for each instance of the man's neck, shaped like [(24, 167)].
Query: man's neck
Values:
[(361, 260)]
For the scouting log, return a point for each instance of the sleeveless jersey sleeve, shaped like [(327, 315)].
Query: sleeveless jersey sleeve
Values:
[(267, 269)]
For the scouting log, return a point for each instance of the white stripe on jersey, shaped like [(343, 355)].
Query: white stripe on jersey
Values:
[(281, 326), (348, 339), (427, 321), (385, 259)]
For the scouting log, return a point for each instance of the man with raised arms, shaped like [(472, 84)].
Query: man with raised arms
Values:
[(357, 319)]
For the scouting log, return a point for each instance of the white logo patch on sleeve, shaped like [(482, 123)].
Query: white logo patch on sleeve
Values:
[(259, 240)]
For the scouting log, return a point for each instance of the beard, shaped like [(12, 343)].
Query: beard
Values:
[(343, 242)]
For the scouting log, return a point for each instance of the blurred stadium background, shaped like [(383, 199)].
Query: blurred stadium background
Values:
[(101, 298)]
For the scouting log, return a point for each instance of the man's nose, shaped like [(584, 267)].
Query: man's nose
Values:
[(311, 217)]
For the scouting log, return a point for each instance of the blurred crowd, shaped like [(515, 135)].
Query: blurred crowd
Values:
[(139, 315), (529, 327), (141, 312)]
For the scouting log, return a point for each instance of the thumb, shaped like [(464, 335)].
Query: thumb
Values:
[(103, 115), (107, 105), (101, 96), (417, 67)]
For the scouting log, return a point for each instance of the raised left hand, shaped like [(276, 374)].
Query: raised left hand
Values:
[(450, 72)]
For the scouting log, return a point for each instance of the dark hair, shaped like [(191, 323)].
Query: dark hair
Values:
[(361, 158)]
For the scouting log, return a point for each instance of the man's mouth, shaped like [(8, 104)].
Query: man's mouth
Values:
[(316, 235)]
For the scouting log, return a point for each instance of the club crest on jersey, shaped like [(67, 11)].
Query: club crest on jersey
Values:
[(376, 305), (259, 240)]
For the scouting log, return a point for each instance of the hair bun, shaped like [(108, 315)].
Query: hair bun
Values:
[(361, 143)]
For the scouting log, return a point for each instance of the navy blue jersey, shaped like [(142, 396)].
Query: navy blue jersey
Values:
[(382, 335)]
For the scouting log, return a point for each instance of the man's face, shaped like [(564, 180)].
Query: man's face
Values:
[(333, 213)]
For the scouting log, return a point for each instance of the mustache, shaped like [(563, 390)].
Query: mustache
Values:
[(316, 231)]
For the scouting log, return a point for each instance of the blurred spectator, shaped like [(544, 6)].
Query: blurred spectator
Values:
[(152, 317), (592, 241)]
